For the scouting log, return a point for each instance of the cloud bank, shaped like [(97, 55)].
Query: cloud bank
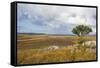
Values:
[(53, 19)]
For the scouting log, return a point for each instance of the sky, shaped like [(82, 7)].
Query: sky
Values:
[(50, 19)]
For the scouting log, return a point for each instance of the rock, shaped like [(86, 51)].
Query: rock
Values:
[(53, 48), (90, 43), (50, 48)]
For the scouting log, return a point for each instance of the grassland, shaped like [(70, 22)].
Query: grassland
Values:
[(33, 49)]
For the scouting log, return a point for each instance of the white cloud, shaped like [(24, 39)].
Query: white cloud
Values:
[(54, 17)]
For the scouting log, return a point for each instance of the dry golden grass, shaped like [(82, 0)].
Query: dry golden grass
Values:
[(29, 52), (65, 54)]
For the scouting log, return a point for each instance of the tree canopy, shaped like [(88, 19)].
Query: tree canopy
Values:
[(82, 30)]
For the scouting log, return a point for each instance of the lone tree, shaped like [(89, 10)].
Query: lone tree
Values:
[(81, 31)]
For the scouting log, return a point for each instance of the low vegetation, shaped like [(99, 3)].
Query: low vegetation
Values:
[(37, 49)]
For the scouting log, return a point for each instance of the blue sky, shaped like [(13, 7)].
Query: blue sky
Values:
[(53, 19)]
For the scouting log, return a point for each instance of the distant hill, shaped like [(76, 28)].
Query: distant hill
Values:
[(46, 34), (33, 33)]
